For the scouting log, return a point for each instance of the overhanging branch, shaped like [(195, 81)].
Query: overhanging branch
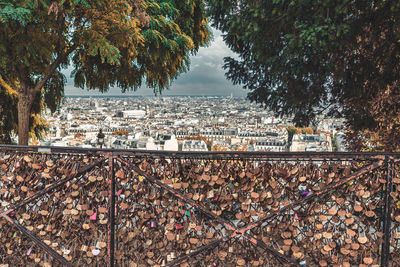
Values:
[(10, 89), (52, 67)]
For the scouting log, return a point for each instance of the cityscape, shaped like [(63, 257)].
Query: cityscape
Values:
[(199, 133), (184, 123)]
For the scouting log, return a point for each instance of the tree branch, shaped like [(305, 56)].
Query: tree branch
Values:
[(324, 108), (8, 80), (9, 88), (52, 67)]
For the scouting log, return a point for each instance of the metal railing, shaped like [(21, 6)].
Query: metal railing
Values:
[(88, 207)]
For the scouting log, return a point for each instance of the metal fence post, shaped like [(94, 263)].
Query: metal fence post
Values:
[(387, 214), (111, 212)]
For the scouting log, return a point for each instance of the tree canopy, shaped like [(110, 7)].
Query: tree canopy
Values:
[(108, 43), (305, 58)]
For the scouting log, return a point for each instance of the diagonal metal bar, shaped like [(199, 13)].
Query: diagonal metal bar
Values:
[(256, 242), (52, 187), (209, 246), (318, 193), (36, 196), (176, 193), (186, 257), (324, 190), (227, 224), (35, 239)]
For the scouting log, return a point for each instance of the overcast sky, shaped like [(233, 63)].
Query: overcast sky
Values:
[(206, 76)]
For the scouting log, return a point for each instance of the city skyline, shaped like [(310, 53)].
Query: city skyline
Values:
[(177, 123), (205, 76)]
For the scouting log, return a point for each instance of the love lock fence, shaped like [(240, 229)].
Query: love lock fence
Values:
[(87, 207)]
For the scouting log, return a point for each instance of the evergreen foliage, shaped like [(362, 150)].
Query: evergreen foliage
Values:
[(304, 58), (124, 43)]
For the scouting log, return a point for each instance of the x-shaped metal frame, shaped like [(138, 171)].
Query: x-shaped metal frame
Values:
[(243, 231), (198, 206), (9, 213)]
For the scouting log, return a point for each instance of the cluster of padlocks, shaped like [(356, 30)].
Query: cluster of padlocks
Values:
[(190, 211)]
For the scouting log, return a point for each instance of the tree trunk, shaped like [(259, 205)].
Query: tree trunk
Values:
[(25, 102)]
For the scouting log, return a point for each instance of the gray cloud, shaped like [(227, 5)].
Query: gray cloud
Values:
[(205, 77)]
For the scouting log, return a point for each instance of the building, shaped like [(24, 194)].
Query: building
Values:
[(221, 145), (166, 142), (311, 143), (194, 145), (271, 144), (137, 114)]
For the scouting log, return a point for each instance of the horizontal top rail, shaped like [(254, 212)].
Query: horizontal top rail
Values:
[(206, 155)]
